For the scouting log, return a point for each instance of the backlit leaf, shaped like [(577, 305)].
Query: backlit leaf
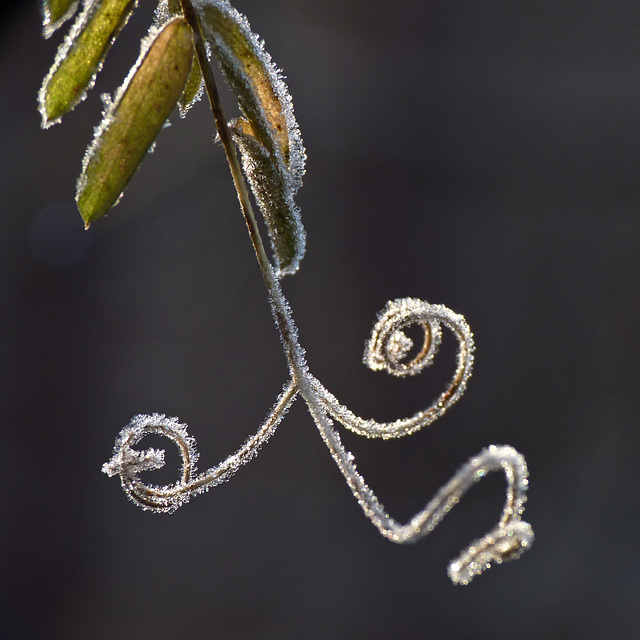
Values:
[(262, 94), (80, 57), (132, 122), (276, 203), (267, 108), (194, 87)]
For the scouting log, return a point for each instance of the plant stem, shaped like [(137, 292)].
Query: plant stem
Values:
[(283, 319)]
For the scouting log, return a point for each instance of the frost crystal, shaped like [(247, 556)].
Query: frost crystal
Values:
[(52, 21), (398, 347)]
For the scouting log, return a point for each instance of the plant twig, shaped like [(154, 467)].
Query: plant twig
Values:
[(284, 321)]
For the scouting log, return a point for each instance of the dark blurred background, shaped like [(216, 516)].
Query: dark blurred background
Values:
[(483, 155)]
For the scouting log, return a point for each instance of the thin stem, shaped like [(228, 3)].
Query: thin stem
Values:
[(284, 321)]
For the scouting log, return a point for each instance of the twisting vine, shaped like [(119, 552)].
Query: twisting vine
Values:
[(174, 67)]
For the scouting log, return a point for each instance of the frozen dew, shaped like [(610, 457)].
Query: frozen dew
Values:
[(107, 101), (398, 347)]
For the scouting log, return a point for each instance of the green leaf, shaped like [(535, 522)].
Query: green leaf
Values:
[(80, 57), (269, 136), (275, 200), (255, 80), (194, 87), (55, 13), (130, 125)]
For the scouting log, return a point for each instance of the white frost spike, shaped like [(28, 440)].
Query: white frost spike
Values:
[(127, 460), (49, 26), (107, 102)]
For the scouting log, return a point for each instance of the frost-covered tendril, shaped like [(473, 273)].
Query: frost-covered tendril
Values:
[(506, 541), (128, 463), (386, 349)]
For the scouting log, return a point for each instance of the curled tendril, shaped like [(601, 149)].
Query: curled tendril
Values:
[(388, 345), (387, 349), (506, 541), (128, 463)]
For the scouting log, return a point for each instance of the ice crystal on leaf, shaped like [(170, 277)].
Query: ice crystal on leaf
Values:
[(272, 161), (55, 13)]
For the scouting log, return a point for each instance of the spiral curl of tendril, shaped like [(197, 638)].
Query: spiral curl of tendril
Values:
[(387, 349), (129, 463)]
